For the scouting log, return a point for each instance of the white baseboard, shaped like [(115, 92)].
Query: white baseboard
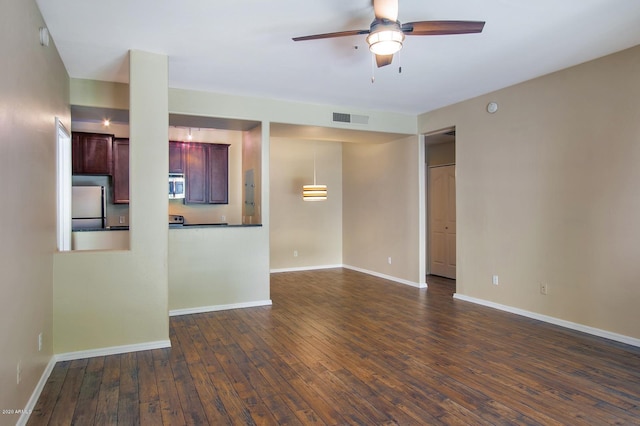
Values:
[(354, 268), (386, 277), (552, 320), (203, 309), (35, 395), (305, 268), (113, 350)]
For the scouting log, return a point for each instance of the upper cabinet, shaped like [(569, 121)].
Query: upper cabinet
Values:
[(218, 173), (120, 171), (207, 173), (91, 153), (205, 166), (176, 157), (121, 166)]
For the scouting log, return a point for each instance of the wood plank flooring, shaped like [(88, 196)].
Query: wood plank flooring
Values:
[(342, 348)]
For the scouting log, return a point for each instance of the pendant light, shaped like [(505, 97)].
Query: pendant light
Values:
[(314, 192)]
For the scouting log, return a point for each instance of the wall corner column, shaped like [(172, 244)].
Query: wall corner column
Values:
[(149, 162)]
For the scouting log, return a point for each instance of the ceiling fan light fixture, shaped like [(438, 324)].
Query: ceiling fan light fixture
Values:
[(385, 37), (386, 42)]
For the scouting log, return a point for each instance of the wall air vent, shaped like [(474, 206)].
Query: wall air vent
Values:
[(341, 117)]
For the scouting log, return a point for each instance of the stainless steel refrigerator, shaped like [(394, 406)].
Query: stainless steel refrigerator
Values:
[(88, 207)]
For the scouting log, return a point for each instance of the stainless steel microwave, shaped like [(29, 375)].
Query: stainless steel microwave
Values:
[(177, 186)]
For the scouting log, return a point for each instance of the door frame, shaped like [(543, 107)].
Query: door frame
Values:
[(427, 216)]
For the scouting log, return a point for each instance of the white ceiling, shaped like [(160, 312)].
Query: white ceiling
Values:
[(245, 47)]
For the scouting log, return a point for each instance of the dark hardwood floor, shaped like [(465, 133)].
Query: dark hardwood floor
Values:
[(339, 347)]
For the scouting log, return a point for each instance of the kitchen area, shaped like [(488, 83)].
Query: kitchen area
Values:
[(210, 178)]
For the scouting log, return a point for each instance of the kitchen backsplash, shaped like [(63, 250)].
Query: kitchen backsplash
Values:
[(206, 213)]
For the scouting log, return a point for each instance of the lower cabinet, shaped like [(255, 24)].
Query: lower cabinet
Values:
[(207, 173), (120, 171)]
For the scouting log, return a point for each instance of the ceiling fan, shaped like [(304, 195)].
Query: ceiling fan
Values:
[(386, 33)]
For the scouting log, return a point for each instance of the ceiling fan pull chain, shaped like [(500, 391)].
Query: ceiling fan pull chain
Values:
[(399, 63), (373, 68)]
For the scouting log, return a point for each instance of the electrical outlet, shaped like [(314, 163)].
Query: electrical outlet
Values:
[(18, 373), (495, 280), (295, 253), (223, 218), (39, 342), (544, 288), (121, 220), (389, 260)]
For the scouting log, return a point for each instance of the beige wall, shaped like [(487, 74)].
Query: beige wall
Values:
[(214, 267), (547, 191), (115, 298), (382, 191), (100, 94), (313, 229), (220, 105), (34, 90), (100, 240)]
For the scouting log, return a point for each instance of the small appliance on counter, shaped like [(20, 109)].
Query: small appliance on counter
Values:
[(175, 220), (88, 207)]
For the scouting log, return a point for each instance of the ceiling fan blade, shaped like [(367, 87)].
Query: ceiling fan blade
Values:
[(383, 60), (386, 9), (331, 35), (442, 27)]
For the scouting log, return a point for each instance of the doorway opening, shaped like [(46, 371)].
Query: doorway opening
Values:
[(441, 203)]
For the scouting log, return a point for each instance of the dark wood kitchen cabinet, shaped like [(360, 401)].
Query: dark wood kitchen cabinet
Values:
[(218, 173), (120, 153), (120, 171), (91, 153), (207, 173), (176, 157)]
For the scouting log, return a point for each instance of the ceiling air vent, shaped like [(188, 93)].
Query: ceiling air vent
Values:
[(341, 117)]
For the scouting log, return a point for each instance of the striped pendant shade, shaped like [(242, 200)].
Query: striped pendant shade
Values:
[(314, 192)]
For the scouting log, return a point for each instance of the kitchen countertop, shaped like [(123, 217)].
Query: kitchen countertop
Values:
[(176, 226), (213, 225), (113, 228)]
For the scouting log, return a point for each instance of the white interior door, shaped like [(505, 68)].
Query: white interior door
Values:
[(442, 221)]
